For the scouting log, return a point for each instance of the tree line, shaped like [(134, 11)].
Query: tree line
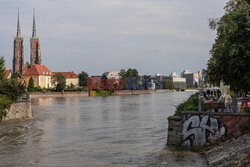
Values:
[(230, 53)]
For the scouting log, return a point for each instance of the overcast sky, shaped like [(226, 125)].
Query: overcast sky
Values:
[(154, 36)]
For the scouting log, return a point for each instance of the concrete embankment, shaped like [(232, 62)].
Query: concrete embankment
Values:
[(59, 94), (132, 92), (164, 90), (19, 109), (234, 152), (199, 128), (86, 93)]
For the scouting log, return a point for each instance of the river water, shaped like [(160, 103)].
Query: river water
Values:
[(110, 131)]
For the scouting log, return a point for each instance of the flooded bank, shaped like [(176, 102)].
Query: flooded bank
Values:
[(94, 131)]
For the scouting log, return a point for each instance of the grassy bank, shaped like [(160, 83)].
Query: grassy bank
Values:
[(191, 104)]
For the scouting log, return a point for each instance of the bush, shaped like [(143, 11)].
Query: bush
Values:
[(100, 92), (10, 90), (5, 103), (168, 85), (190, 105), (38, 89)]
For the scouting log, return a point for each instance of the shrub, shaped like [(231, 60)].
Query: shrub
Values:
[(190, 105), (5, 103), (100, 92)]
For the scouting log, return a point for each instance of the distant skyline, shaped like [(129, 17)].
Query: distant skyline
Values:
[(153, 36)]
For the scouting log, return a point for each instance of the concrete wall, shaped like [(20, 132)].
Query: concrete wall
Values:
[(201, 128), (20, 109), (132, 92), (59, 94), (164, 90)]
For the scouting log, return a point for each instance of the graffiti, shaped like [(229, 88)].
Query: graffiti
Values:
[(197, 131), (132, 83)]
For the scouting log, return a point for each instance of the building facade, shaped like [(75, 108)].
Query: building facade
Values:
[(40, 74), (71, 78), (112, 75), (189, 78)]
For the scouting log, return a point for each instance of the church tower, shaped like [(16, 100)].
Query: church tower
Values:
[(35, 53), (18, 58)]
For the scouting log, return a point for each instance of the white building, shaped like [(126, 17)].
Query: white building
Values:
[(112, 75)]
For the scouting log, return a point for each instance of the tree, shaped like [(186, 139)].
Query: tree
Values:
[(104, 79), (31, 87), (122, 74), (71, 86), (230, 54), (10, 90), (130, 73), (59, 81), (168, 85), (16, 75), (83, 78), (2, 68)]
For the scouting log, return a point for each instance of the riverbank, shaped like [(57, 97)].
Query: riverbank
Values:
[(59, 94), (233, 152), (87, 94), (19, 109)]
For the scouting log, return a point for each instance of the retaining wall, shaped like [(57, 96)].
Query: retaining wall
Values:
[(200, 128), (132, 92), (59, 94), (19, 109)]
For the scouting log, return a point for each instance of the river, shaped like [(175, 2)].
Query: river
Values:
[(114, 131)]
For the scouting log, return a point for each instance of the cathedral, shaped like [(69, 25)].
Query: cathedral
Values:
[(35, 53)]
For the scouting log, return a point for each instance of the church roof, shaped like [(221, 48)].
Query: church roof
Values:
[(38, 70), (67, 74)]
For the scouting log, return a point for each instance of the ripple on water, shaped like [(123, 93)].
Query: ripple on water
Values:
[(96, 131)]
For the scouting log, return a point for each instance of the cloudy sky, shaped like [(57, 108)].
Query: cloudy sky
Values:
[(154, 36)]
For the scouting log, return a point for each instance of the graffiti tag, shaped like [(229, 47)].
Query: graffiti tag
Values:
[(197, 131)]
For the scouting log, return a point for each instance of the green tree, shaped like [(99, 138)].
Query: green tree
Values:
[(10, 90), (230, 52), (104, 79), (83, 78), (16, 75), (168, 85), (122, 74), (130, 73), (71, 86), (2, 69), (31, 87), (59, 81)]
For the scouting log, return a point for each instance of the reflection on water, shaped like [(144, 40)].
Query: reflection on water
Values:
[(91, 131)]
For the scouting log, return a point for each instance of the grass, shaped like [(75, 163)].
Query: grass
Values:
[(102, 93), (190, 105)]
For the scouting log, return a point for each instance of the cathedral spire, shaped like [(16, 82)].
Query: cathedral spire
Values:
[(34, 25), (18, 26)]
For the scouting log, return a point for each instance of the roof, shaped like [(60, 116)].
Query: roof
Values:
[(38, 70), (20, 80), (7, 73), (67, 74)]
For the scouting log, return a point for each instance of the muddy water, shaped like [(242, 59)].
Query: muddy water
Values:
[(95, 132)]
